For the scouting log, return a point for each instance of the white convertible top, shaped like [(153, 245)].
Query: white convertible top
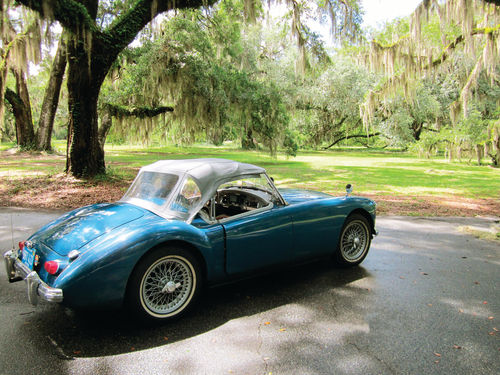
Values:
[(207, 172)]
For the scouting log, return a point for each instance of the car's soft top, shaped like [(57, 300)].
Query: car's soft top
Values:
[(166, 188), (208, 172)]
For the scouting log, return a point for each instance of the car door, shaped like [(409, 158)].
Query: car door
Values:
[(316, 226), (258, 240)]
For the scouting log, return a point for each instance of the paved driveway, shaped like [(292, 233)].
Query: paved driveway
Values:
[(425, 301)]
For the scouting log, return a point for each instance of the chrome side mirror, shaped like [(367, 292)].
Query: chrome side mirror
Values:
[(348, 190)]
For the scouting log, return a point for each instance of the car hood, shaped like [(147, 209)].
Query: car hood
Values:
[(82, 226), (293, 196)]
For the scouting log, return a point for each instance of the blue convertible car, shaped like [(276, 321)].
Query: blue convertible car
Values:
[(181, 225)]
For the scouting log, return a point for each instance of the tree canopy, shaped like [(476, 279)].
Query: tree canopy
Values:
[(237, 70)]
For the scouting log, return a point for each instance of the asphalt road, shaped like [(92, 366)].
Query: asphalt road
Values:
[(425, 301)]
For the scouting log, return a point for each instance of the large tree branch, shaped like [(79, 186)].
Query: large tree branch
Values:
[(435, 62), (74, 16), (139, 112), (108, 111), (70, 13), (445, 52), (125, 28), (107, 44), (350, 137)]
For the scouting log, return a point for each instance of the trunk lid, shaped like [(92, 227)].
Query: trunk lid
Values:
[(86, 225)]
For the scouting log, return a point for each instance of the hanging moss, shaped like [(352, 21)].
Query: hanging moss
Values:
[(479, 24)]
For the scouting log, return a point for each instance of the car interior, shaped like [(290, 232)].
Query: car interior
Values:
[(232, 201)]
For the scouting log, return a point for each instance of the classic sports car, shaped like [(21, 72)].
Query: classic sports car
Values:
[(183, 224)]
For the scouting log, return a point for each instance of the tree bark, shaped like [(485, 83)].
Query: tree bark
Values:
[(106, 123), (51, 99), (21, 118), (495, 144), (417, 130), (247, 141), (21, 106), (85, 157), (479, 154)]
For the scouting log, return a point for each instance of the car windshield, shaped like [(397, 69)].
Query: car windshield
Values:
[(167, 194), (152, 187)]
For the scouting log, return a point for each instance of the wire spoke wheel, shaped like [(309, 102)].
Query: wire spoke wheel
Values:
[(167, 285), (354, 240), (164, 284)]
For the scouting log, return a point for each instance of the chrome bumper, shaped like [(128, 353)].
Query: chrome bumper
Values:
[(17, 271)]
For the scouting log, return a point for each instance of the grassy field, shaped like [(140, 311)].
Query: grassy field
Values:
[(423, 186)]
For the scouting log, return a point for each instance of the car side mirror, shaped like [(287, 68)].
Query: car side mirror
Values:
[(348, 189)]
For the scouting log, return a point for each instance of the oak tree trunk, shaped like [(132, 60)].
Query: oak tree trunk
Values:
[(90, 53), (85, 157), (479, 154), (21, 107), (106, 123), (21, 119), (51, 99), (247, 141)]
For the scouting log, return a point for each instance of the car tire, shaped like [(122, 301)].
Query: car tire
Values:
[(354, 241), (164, 284)]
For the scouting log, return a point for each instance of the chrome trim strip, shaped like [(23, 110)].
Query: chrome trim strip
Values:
[(36, 287)]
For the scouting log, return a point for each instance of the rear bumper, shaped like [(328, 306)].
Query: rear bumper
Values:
[(17, 271)]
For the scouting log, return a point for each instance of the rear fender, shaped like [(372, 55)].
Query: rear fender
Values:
[(100, 274)]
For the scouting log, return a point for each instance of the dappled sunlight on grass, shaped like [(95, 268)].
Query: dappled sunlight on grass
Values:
[(421, 190), (398, 180)]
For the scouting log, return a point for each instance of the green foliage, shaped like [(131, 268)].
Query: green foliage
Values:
[(231, 74), (194, 67), (327, 105)]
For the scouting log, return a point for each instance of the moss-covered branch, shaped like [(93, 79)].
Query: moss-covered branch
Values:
[(70, 13), (126, 27), (438, 60), (139, 112), (351, 137)]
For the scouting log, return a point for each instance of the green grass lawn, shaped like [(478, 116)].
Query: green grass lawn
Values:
[(371, 172)]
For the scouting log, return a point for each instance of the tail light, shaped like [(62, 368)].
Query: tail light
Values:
[(21, 245), (51, 267)]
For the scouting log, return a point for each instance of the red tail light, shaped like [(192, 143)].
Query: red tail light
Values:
[(51, 267), (21, 245)]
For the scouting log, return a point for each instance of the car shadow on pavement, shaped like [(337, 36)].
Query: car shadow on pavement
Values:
[(75, 334)]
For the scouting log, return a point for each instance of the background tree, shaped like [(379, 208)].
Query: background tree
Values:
[(15, 56), (438, 39), (92, 49), (22, 34), (219, 75), (51, 99), (91, 52)]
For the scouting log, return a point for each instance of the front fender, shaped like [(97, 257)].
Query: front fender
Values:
[(366, 205), (99, 276)]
